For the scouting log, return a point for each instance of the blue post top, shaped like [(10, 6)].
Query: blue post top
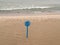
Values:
[(27, 23)]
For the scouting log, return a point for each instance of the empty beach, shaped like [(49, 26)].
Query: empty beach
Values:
[(44, 30)]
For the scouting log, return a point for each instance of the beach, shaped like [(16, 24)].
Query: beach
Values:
[(44, 30)]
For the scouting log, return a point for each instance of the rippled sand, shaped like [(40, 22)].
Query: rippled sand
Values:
[(44, 30)]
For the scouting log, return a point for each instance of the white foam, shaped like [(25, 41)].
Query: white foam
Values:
[(42, 7)]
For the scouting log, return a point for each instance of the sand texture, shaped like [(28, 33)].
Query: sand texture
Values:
[(44, 30)]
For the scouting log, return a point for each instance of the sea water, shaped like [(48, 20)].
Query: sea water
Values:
[(28, 6)]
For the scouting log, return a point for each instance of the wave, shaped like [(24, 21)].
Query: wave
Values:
[(31, 9), (42, 7)]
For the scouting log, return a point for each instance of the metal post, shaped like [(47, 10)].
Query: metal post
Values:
[(27, 24), (26, 32)]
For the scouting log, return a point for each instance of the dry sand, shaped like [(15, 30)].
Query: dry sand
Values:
[(44, 30)]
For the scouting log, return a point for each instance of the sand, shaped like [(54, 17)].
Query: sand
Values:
[(44, 30)]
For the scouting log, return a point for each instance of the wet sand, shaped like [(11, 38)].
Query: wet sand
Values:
[(44, 30)]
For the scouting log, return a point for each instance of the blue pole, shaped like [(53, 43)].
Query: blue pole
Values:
[(26, 32), (27, 24)]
